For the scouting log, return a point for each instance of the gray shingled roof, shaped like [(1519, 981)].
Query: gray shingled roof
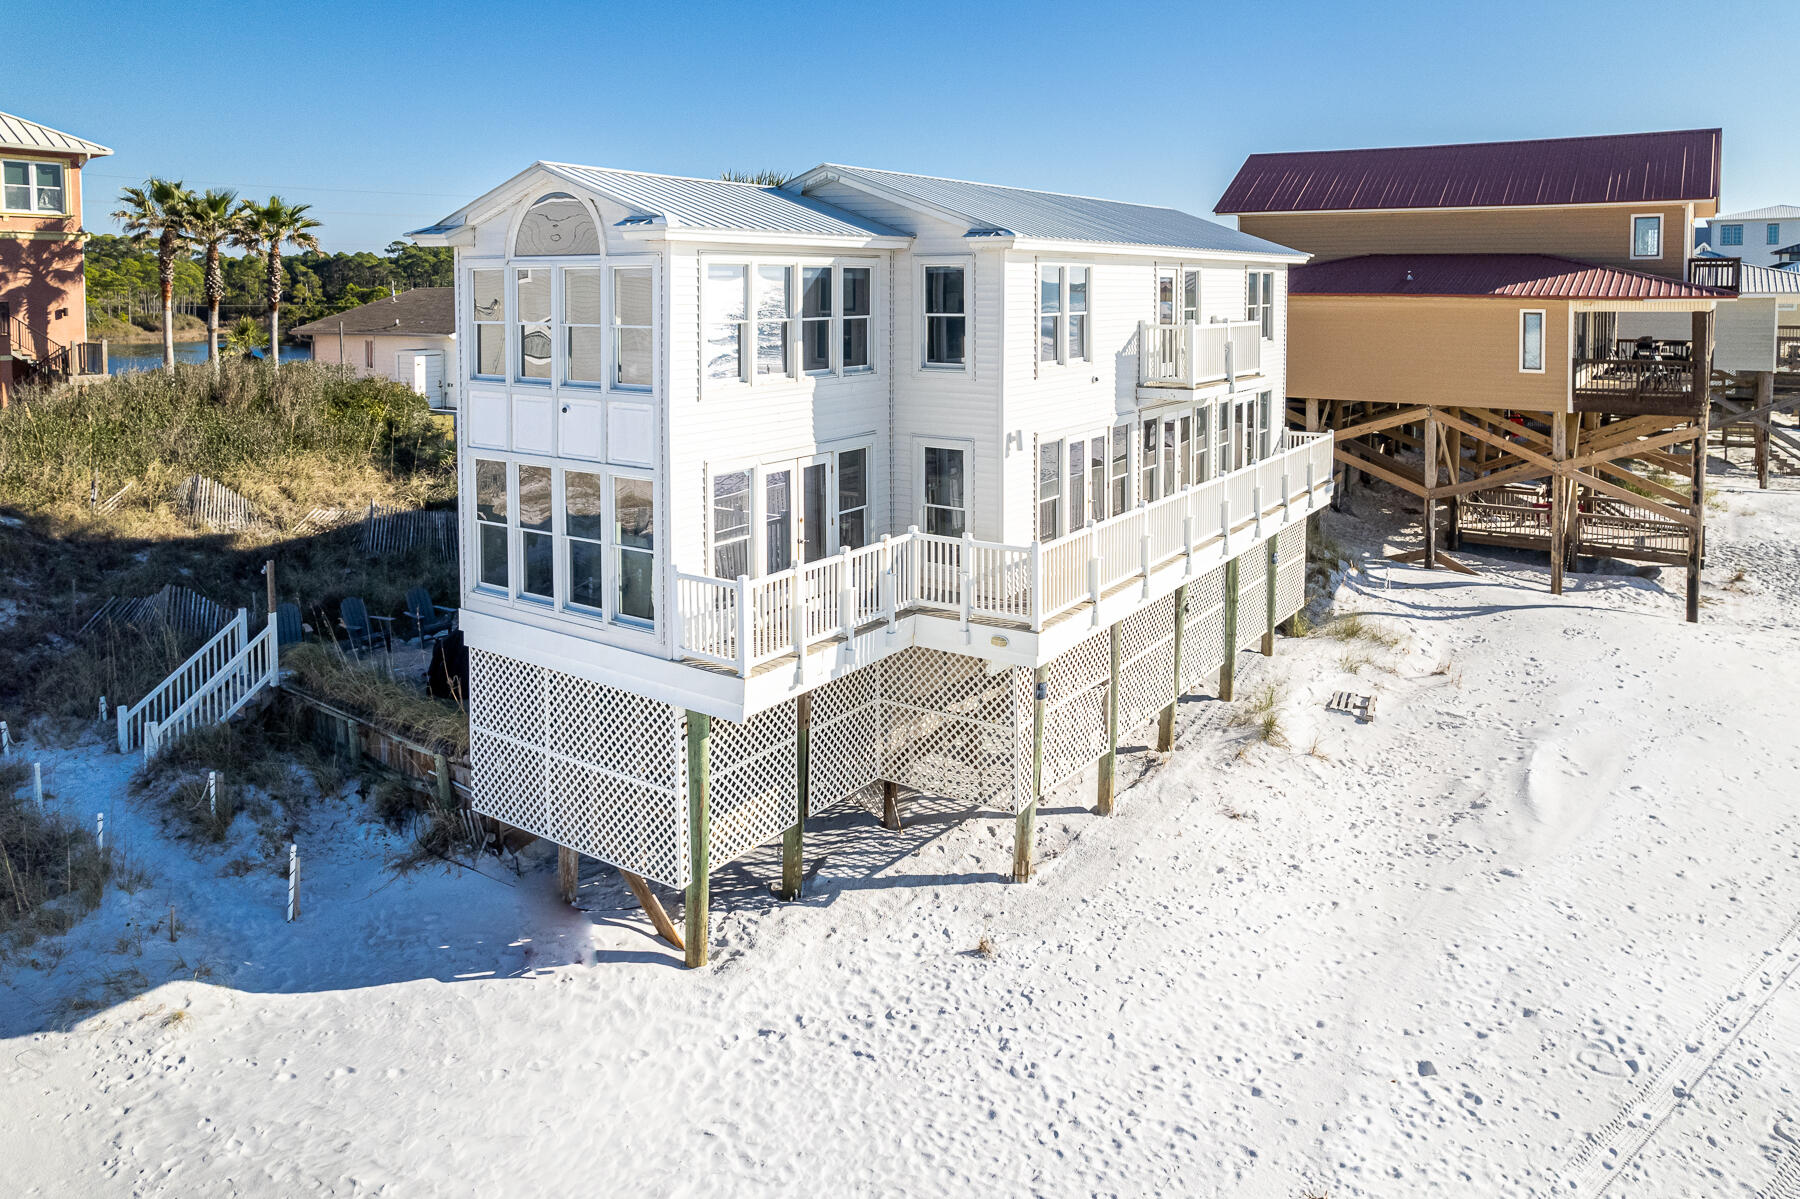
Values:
[(684, 203), (423, 310), (995, 209), (16, 133)]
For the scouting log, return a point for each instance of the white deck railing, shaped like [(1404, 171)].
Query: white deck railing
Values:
[(746, 623), (219, 698), (182, 682), (1198, 355)]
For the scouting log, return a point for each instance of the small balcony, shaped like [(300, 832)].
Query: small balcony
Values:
[(1198, 356), (985, 594), (1726, 274), (1638, 382)]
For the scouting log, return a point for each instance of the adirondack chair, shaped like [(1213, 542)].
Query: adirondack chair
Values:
[(363, 631), (430, 621), (288, 629)]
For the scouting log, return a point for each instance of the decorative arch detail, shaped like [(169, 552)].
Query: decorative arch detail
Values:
[(556, 223)]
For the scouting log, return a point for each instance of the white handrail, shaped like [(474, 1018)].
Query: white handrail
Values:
[(745, 623), (175, 690), (223, 695)]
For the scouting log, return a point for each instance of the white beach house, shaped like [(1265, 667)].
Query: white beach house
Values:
[(770, 495)]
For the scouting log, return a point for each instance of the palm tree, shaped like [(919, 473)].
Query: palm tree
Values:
[(158, 211), (212, 221), (268, 227)]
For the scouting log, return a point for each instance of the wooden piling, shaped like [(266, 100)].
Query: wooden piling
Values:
[(653, 908), (1559, 452), (793, 843), (890, 805), (1109, 761), (1268, 637), (1431, 476), (568, 873), (1702, 356), (1765, 396), (1165, 724), (1025, 828), (699, 771)]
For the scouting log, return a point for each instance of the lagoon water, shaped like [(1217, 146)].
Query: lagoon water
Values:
[(140, 356)]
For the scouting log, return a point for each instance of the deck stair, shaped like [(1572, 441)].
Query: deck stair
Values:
[(212, 686)]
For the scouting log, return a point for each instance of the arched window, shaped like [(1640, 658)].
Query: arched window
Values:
[(557, 224)]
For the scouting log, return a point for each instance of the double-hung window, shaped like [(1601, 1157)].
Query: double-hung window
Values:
[(946, 490), (633, 343), (774, 300), (858, 308), (770, 322), (490, 524), (1531, 340), (1223, 440), (726, 306), (1261, 301), (1062, 313), (1147, 463), (1190, 297), (537, 552), (946, 316), (1078, 492), (853, 498), (1773, 234), (1203, 459), (1121, 468), (584, 522), (815, 319), (487, 291), (583, 345), (1097, 477), (1049, 490), (33, 187), (1265, 428), (634, 541), (1731, 235), (1646, 236), (533, 299)]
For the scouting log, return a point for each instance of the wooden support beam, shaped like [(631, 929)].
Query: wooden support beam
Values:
[(568, 873), (1453, 454), (1702, 352), (1025, 827), (1228, 668), (1109, 761), (1404, 417), (1765, 397), (1559, 449), (1370, 462), (890, 805), (699, 779), (653, 908), (793, 842), (1430, 491), (1165, 723), (1268, 637)]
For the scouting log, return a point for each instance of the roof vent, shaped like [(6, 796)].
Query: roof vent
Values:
[(1409, 277)]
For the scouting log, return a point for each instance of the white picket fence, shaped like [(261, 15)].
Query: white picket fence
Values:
[(210, 687)]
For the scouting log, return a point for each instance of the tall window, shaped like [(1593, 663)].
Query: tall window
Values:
[(634, 538), (727, 309), (774, 298), (1265, 401), (1531, 340), (369, 353), (631, 314), (1731, 235), (946, 484), (533, 286), (1203, 458), (582, 344), (1171, 475), (731, 524), (1147, 463), (1646, 237), (1049, 490), (815, 319), (778, 520), (584, 522), (537, 548), (1078, 305), (1050, 327), (487, 291), (1261, 296), (1190, 298), (33, 187), (946, 321), (490, 523), (857, 308), (1223, 440), (853, 499), (1773, 234), (1097, 477), (1185, 443), (1121, 468), (1078, 493), (1062, 313)]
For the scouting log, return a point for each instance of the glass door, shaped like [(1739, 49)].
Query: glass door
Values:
[(815, 529), (1165, 295)]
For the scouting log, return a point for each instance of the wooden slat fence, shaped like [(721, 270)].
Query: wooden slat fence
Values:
[(399, 530), (178, 607), (208, 502)]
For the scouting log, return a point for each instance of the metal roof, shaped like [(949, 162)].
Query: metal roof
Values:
[(1632, 168), (1767, 281), (423, 310), (1779, 212), (1516, 275), (714, 204), (16, 133), (992, 209)]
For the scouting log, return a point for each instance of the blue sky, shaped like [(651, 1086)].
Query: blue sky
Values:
[(386, 116)]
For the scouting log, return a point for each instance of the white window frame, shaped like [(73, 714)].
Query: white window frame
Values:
[(31, 186), (1263, 311), (472, 334), (1543, 340), (560, 330), (796, 462), (796, 373), (920, 444), (1647, 216), (1064, 313), (967, 366), (609, 366)]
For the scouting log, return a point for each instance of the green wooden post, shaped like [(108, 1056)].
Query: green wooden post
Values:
[(1268, 641), (1109, 761), (1228, 669), (793, 845), (1025, 832), (699, 771), (1165, 725)]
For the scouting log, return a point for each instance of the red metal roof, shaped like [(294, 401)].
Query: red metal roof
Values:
[(1520, 275), (1631, 168)]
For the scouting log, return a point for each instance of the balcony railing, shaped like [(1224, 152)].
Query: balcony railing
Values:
[(745, 623), (1198, 355), (1723, 273), (1635, 381)]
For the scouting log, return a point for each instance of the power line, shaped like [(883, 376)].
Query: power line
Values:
[(297, 187)]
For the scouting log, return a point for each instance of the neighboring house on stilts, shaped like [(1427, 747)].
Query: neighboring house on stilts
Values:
[(872, 480), (1511, 332)]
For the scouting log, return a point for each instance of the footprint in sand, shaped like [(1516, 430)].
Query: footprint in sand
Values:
[(1600, 1058)]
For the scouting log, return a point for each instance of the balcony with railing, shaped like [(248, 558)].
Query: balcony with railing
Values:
[(1093, 575), (1726, 274), (1195, 356)]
